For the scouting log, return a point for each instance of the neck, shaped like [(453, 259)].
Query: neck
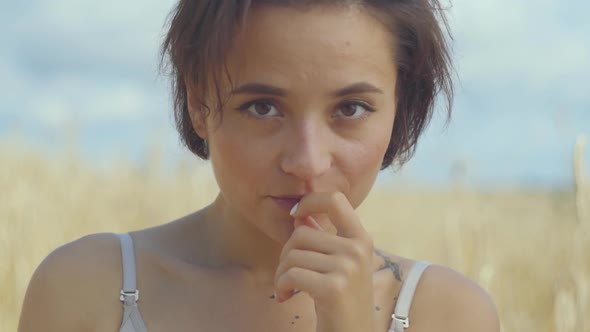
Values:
[(237, 244)]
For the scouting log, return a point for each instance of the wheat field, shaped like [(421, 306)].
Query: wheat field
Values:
[(528, 249)]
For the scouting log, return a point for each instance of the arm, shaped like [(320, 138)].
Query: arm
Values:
[(63, 291), (448, 301), (47, 305)]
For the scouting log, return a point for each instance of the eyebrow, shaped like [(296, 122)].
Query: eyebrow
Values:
[(360, 87), (265, 89)]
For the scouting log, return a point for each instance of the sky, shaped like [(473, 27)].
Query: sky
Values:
[(88, 70)]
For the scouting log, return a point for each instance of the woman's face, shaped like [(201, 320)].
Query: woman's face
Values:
[(311, 109)]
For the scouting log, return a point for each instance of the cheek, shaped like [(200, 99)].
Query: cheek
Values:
[(367, 153), (363, 161), (236, 156)]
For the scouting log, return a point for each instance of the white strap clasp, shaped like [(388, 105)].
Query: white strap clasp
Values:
[(405, 321), (124, 294)]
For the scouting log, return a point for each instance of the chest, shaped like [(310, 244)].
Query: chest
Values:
[(230, 314), (221, 304)]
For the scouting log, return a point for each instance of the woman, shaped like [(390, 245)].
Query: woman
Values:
[(298, 105)]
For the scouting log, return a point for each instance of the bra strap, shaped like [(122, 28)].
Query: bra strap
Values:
[(400, 317), (129, 292)]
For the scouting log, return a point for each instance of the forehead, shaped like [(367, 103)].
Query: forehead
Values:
[(319, 45)]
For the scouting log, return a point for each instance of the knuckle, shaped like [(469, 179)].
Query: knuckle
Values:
[(291, 256), (358, 250), (291, 275), (337, 197), (349, 267), (296, 236), (334, 289), (338, 285)]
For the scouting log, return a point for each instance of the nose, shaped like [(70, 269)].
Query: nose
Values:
[(306, 153)]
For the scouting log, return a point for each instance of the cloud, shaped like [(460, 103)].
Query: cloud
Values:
[(524, 68), (541, 45), (68, 98), (88, 61), (99, 37)]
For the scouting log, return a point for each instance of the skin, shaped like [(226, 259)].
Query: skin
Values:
[(306, 139), (303, 142), (219, 268)]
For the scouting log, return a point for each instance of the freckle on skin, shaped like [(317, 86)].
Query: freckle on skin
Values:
[(296, 316), (377, 308)]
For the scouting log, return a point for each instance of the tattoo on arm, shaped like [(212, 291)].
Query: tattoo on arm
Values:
[(394, 267)]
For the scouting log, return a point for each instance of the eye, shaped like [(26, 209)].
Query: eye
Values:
[(355, 110), (260, 109)]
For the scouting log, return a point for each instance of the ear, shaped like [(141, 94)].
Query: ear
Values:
[(196, 113)]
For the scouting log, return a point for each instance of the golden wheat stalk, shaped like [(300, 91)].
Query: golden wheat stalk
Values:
[(581, 279), (580, 183), (565, 306)]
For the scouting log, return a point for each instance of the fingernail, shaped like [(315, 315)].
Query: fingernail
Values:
[(294, 209)]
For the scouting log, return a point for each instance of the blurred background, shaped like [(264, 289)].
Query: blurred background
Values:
[(87, 144)]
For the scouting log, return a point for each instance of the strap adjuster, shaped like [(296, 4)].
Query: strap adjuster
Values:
[(124, 294), (405, 321)]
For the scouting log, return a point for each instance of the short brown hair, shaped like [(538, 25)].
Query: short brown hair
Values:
[(201, 32)]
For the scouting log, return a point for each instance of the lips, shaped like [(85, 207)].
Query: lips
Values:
[(286, 202)]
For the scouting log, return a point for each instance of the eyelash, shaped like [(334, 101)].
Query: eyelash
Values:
[(244, 107), (365, 105)]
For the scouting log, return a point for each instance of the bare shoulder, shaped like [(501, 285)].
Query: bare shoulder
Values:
[(73, 284), (446, 300)]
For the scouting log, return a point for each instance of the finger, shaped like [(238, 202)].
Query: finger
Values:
[(301, 279), (338, 209), (308, 221), (306, 238), (305, 259)]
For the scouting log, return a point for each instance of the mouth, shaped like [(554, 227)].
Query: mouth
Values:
[(286, 202)]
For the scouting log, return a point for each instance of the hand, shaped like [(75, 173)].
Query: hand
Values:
[(334, 269)]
